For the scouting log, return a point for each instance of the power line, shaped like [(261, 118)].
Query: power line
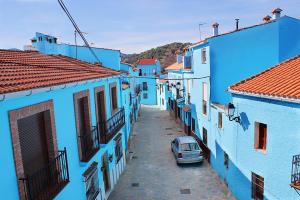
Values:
[(167, 79), (62, 5)]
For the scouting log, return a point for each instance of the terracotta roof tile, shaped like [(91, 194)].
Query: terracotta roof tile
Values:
[(23, 70), (147, 61), (175, 66), (282, 80)]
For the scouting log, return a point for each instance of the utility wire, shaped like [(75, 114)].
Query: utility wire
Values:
[(62, 5), (167, 79)]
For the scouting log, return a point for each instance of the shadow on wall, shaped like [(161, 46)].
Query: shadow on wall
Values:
[(244, 121), (237, 182)]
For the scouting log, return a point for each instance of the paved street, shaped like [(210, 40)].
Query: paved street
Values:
[(152, 172)]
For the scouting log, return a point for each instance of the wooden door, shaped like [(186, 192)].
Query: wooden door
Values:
[(33, 142), (101, 111), (105, 171)]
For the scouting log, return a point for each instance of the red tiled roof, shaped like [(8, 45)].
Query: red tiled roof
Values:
[(21, 70), (282, 80), (175, 66), (150, 61)]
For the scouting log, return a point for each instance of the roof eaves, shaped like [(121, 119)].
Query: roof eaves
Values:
[(278, 98)]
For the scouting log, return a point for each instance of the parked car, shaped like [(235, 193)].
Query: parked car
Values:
[(186, 150)]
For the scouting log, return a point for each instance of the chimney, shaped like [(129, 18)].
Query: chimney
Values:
[(215, 29), (237, 24), (179, 58), (276, 13), (267, 18)]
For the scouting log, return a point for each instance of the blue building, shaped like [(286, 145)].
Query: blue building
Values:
[(180, 79), (63, 127), (47, 44), (216, 63), (132, 98), (149, 71), (263, 146)]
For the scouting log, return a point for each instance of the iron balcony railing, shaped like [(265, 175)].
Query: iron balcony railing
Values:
[(89, 144), (48, 181), (111, 127), (295, 176)]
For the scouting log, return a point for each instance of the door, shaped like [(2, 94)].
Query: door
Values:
[(101, 112), (33, 143), (105, 171)]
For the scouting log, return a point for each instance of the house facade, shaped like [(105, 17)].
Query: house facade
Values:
[(48, 44), (216, 63), (65, 116), (267, 106), (149, 71)]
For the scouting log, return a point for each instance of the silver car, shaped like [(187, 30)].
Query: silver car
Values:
[(186, 150)]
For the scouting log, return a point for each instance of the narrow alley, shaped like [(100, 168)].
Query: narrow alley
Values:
[(152, 172)]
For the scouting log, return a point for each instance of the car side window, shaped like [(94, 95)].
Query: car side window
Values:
[(176, 144)]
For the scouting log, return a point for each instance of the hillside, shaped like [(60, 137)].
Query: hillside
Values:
[(166, 54)]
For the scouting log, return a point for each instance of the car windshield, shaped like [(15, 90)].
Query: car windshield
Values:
[(189, 147)]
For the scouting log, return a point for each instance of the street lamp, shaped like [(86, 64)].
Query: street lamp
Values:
[(230, 109)]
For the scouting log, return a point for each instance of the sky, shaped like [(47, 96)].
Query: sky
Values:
[(131, 26)]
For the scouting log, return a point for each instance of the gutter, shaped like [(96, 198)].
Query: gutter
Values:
[(30, 92), (285, 99)]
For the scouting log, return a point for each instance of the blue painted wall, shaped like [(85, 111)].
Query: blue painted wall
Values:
[(151, 92), (109, 58), (239, 55), (66, 137)]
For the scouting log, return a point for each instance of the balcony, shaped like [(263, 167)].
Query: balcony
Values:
[(89, 144), (111, 127), (295, 176), (48, 181)]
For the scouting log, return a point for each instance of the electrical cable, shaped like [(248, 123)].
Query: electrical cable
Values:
[(62, 5)]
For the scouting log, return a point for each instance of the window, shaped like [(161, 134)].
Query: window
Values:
[(204, 132), (193, 124), (91, 182), (203, 55), (145, 86), (219, 120), (162, 101), (226, 160), (113, 96), (204, 98), (140, 72), (260, 136), (145, 95), (118, 147), (257, 187)]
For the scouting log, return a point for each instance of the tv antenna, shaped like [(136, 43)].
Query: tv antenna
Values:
[(62, 5), (200, 25)]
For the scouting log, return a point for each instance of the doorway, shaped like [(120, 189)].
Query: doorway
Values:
[(105, 171)]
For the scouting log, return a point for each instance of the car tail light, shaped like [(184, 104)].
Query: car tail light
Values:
[(180, 155), (201, 153)]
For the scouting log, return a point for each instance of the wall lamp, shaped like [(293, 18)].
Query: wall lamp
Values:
[(230, 109)]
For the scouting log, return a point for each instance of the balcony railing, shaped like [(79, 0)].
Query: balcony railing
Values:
[(111, 127), (295, 176), (48, 181), (89, 144)]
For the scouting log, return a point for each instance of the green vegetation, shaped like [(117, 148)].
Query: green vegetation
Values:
[(166, 54)]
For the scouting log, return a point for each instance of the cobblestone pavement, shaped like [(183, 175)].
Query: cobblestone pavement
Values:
[(152, 173)]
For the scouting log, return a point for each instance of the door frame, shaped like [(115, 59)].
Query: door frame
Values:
[(17, 114)]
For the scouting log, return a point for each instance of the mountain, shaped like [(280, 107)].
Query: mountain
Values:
[(166, 54)]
